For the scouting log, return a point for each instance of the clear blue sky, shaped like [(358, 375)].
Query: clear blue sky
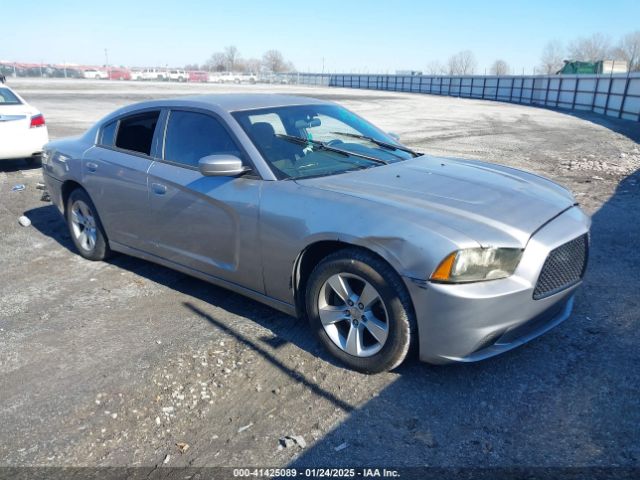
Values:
[(372, 35)]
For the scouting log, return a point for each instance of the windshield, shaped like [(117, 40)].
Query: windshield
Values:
[(316, 140), (7, 97)]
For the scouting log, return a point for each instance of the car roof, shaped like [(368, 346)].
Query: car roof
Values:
[(230, 102)]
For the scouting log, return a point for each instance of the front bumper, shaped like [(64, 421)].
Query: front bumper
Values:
[(54, 188), (474, 321)]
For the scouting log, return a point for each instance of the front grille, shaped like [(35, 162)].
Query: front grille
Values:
[(563, 267)]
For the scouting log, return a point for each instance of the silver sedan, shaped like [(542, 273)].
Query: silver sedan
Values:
[(305, 206)]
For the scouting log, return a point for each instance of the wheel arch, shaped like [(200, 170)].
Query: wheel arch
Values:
[(68, 186), (315, 252)]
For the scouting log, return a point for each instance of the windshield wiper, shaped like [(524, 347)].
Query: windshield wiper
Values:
[(380, 143), (324, 146)]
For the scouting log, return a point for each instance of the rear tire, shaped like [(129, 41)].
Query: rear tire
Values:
[(360, 310), (85, 227)]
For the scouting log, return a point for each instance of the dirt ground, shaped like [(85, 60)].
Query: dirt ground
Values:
[(121, 363)]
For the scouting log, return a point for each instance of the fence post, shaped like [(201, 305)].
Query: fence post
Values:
[(595, 94), (606, 105), (559, 92), (624, 97), (546, 93), (521, 89)]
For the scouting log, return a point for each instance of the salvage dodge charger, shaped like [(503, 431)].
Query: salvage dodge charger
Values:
[(305, 206)]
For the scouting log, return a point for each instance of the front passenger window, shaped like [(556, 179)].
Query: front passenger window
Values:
[(191, 136)]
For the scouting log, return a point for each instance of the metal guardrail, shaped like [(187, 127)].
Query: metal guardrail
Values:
[(616, 95)]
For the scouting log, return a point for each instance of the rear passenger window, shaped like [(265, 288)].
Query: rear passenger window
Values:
[(191, 136), (136, 132), (108, 134)]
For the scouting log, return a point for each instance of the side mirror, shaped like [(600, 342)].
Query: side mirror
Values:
[(221, 166), (395, 136)]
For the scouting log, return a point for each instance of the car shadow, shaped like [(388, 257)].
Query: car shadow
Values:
[(10, 166), (286, 329), (628, 128), (564, 400)]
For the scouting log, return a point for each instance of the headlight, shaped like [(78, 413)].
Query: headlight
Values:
[(477, 264)]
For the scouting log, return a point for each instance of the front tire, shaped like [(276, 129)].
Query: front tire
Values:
[(360, 311), (85, 227)]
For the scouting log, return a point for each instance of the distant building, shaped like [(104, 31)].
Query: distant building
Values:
[(601, 66)]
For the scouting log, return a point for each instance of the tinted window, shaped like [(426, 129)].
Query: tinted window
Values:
[(108, 134), (136, 132), (191, 136)]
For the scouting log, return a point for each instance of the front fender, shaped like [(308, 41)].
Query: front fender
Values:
[(294, 217)]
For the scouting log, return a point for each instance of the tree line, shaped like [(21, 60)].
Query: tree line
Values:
[(591, 49), (230, 60), (585, 49)]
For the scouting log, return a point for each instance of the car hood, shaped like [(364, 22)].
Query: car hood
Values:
[(483, 201)]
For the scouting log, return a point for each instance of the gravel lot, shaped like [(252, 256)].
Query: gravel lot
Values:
[(122, 363)]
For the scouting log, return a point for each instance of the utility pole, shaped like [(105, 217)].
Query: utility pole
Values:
[(106, 58), (323, 65)]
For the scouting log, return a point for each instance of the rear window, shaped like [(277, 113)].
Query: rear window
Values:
[(136, 132), (7, 97)]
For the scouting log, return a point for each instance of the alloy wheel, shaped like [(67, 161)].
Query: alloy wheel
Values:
[(353, 314), (83, 225)]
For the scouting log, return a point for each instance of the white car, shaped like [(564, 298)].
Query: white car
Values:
[(22, 128), (155, 74), (177, 75), (225, 77), (248, 78), (96, 74)]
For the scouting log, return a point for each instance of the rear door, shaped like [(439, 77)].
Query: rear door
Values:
[(115, 175), (209, 224)]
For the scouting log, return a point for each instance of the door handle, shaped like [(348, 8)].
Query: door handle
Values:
[(92, 166), (158, 188)]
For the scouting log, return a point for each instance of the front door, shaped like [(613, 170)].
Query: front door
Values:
[(209, 224)]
